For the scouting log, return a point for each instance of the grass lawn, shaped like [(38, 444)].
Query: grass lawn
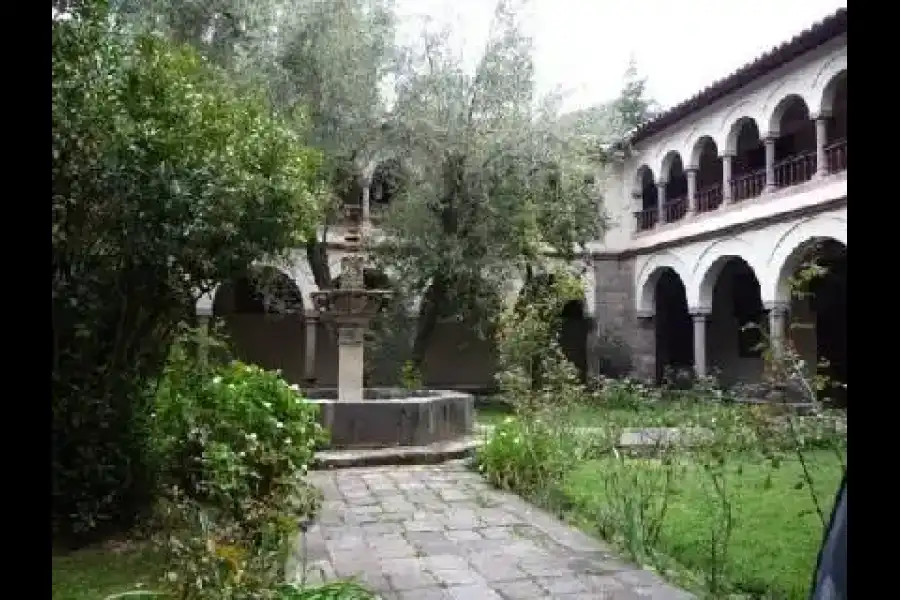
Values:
[(776, 535), (647, 415), (95, 573)]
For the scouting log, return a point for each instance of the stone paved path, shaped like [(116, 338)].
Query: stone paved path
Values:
[(440, 532)]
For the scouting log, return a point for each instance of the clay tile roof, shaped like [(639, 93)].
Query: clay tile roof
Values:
[(826, 29)]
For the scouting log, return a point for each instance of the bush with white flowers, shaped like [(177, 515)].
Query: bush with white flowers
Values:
[(233, 433)]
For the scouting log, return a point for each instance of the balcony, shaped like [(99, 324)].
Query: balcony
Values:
[(709, 199), (675, 210), (646, 219)]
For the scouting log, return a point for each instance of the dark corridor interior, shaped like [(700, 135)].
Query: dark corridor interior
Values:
[(829, 302), (674, 328), (573, 336)]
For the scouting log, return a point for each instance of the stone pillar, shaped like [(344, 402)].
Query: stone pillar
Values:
[(821, 142), (309, 356), (661, 203), (203, 317), (637, 205), (692, 190), (366, 184), (700, 318), (770, 163), (645, 348), (726, 179), (351, 357), (777, 326)]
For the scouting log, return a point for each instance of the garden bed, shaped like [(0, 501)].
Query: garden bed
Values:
[(776, 529)]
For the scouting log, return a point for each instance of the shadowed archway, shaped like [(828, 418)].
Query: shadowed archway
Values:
[(263, 314)]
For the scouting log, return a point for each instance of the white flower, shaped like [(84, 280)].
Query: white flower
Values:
[(251, 437), (279, 425), (267, 404), (217, 379), (294, 387)]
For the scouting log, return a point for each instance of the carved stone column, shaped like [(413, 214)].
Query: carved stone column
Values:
[(701, 319), (645, 347), (309, 355), (691, 174), (351, 357), (203, 317), (727, 196), (770, 164), (821, 142), (778, 312), (661, 203)]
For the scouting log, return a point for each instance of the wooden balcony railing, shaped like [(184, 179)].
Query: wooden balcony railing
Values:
[(748, 186), (646, 219), (795, 170), (709, 198), (789, 172), (675, 209), (836, 156)]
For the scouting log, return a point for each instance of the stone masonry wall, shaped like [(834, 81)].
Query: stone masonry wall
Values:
[(622, 343)]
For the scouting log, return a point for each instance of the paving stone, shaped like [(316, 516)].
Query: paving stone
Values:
[(412, 580), (425, 594), (473, 592), (556, 586), (438, 532)]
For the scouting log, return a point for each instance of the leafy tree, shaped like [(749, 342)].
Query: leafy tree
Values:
[(633, 107), (336, 58), (333, 58), (166, 179), (491, 186)]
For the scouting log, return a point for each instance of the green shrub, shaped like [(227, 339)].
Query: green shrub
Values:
[(232, 433), (167, 178), (234, 441)]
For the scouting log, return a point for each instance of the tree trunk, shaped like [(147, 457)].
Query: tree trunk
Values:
[(317, 255)]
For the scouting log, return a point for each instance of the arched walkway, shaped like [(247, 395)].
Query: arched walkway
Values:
[(817, 275), (263, 314), (673, 327), (573, 335), (573, 326), (734, 336)]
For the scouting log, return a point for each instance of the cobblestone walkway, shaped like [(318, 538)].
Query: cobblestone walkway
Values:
[(440, 532)]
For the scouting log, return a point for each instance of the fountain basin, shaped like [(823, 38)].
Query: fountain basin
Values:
[(392, 417)]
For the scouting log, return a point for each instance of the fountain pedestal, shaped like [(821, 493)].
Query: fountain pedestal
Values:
[(358, 417)]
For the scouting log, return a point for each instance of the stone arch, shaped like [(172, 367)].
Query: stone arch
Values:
[(671, 158), (787, 88), (782, 261), (649, 276), (734, 132), (283, 283), (826, 99), (778, 113), (733, 115), (263, 314), (697, 149), (829, 69), (641, 176), (709, 265), (206, 302)]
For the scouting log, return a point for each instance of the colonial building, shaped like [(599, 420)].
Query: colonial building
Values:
[(720, 202)]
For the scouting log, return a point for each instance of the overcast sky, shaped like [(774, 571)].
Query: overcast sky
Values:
[(680, 46)]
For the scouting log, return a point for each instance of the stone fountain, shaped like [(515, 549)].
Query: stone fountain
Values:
[(360, 417)]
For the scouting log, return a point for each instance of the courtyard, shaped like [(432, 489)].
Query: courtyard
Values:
[(339, 313)]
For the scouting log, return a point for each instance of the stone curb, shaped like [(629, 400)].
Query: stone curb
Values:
[(399, 455)]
